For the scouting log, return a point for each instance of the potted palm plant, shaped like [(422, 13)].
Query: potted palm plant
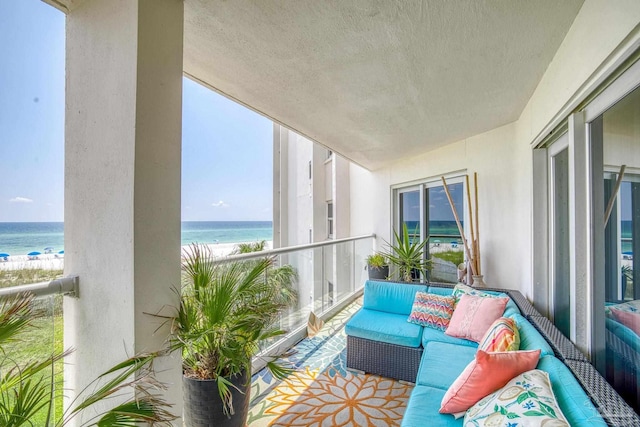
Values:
[(28, 387), (407, 256), (377, 266), (226, 310)]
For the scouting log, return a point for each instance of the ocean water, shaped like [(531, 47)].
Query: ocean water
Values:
[(20, 238)]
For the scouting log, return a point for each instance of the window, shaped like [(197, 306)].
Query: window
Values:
[(426, 211), (330, 220)]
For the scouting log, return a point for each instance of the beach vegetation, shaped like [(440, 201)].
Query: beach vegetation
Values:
[(226, 310), (25, 276), (248, 247), (284, 276), (454, 257), (406, 255), (31, 386)]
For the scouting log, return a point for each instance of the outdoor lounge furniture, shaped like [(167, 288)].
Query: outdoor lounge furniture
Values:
[(381, 341)]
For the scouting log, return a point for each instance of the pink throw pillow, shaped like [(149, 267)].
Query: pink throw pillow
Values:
[(629, 319), (474, 315), (484, 375)]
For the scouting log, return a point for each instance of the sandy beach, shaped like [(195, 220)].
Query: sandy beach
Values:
[(56, 262)]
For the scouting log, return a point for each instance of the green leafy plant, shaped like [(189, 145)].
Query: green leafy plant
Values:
[(283, 277), (226, 310), (28, 388), (407, 256), (245, 248), (377, 260)]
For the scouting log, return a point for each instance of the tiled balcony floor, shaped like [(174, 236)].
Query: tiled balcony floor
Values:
[(321, 392)]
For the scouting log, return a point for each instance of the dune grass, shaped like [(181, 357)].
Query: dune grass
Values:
[(44, 338), (26, 276), (456, 257)]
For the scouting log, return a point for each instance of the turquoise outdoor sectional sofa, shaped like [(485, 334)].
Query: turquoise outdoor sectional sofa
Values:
[(381, 341)]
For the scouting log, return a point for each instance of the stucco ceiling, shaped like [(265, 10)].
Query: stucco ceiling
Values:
[(377, 80)]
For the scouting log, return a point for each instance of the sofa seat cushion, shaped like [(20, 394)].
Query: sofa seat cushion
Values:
[(572, 399), (442, 363), (429, 335), (530, 338), (394, 298), (422, 409), (386, 327)]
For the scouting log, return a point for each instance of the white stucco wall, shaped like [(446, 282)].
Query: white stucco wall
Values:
[(503, 157), (122, 185)]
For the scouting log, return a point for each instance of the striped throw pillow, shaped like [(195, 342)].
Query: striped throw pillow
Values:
[(502, 335), (432, 311)]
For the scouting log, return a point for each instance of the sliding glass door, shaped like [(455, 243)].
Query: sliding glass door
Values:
[(426, 211), (615, 156)]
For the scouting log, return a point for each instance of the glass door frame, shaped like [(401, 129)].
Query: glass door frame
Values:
[(422, 186), (557, 146)]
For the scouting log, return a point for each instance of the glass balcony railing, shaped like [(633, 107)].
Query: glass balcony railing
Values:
[(40, 340), (325, 277)]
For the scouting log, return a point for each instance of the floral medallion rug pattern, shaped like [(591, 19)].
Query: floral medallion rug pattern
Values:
[(321, 392)]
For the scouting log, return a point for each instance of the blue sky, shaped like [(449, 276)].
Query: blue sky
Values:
[(227, 149)]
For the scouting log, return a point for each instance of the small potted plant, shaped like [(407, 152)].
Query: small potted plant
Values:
[(377, 266), (407, 256)]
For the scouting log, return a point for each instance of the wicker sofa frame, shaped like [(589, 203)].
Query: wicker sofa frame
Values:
[(373, 357)]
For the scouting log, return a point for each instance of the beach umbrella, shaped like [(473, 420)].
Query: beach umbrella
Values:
[(48, 250), (4, 255), (34, 253), (61, 252)]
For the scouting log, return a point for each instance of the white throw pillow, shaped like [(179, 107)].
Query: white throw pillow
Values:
[(526, 401)]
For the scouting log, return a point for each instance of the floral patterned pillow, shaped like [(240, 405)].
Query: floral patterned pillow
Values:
[(526, 401), (462, 289), (629, 306)]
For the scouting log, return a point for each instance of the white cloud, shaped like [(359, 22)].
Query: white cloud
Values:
[(220, 204), (20, 200)]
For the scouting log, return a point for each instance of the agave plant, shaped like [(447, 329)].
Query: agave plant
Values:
[(226, 310), (406, 255), (28, 388)]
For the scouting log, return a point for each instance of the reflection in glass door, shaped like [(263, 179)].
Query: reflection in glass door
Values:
[(410, 213), (615, 154)]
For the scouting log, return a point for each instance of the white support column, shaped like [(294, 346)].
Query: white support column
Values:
[(122, 182)]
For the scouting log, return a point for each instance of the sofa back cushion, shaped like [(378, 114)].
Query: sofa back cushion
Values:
[(530, 338), (391, 297), (573, 400)]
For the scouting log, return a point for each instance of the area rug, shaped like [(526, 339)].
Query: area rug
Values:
[(321, 392)]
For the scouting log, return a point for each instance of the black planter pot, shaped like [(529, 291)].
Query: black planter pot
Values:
[(203, 406), (378, 273)]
